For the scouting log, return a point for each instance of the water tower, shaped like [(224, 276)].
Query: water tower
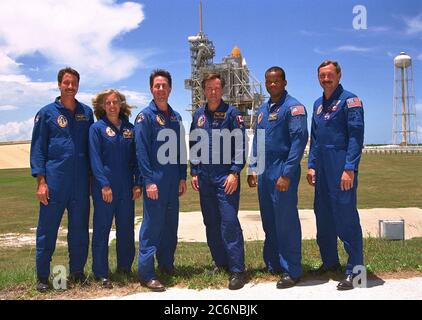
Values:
[(405, 130)]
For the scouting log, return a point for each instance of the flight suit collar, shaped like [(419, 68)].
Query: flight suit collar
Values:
[(110, 124), (222, 107), (79, 109), (155, 108), (271, 107), (336, 94)]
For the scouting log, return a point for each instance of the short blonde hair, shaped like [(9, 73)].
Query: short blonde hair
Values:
[(99, 100)]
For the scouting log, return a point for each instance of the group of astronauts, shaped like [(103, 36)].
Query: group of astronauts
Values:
[(116, 162)]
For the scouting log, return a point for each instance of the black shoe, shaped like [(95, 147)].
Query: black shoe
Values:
[(78, 277), (324, 269), (106, 283), (286, 281), (237, 281), (346, 284), (42, 285)]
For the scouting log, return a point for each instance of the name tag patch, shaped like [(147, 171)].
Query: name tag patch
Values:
[(81, 117), (219, 115)]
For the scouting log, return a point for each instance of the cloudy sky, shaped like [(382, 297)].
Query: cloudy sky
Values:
[(117, 44)]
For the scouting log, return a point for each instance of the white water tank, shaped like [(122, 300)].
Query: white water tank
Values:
[(402, 60)]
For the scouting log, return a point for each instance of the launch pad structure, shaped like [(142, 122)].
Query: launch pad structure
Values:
[(241, 90)]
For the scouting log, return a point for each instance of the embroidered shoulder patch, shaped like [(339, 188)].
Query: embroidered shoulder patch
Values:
[(260, 117), (201, 121), (240, 121), (140, 118), (354, 103), (319, 110), (297, 110)]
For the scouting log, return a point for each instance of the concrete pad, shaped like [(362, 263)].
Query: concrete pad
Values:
[(191, 226), (14, 156), (391, 289)]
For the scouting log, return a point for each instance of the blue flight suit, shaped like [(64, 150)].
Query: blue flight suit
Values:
[(113, 162), (336, 145), (286, 135), (158, 233), (59, 152), (219, 209)]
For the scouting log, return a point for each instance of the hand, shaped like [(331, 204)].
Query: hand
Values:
[(282, 184), (347, 179), (182, 187), (194, 183), (136, 191), (107, 194), (43, 194), (231, 183), (310, 176), (253, 180), (152, 191)]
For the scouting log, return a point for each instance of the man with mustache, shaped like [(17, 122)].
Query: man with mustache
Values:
[(336, 146), (60, 162)]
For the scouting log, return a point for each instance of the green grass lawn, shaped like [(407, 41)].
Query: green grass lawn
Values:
[(384, 181), (193, 262), (387, 181)]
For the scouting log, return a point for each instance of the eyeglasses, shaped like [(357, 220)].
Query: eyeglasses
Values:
[(114, 102)]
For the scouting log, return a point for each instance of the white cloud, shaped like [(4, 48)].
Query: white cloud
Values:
[(7, 65), (8, 107), (68, 32), (20, 91), (16, 131), (414, 25), (319, 51), (379, 29), (134, 98), (351, 48)]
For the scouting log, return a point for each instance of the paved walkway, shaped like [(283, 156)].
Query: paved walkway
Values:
[(191, 226), (392, 289)]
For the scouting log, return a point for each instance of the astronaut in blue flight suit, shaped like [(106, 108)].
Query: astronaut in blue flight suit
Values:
[(161, 154), (60, 162), (116, 182), (284, 120), (336, 146), (215, 174)]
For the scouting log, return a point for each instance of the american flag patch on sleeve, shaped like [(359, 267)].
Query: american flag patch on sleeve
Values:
[(354, 103), (297, 110)]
